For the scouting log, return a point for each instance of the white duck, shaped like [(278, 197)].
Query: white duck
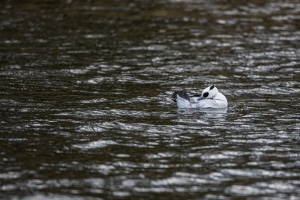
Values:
[(210, 98)]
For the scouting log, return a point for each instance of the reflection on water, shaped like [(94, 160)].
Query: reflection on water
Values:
[(84, 99), (207, 113)]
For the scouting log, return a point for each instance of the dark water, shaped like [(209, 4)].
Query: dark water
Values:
[(85, 113)]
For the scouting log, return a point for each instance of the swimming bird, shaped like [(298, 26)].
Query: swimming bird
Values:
[(209, 98)]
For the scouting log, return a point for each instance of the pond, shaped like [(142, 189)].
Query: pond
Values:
[(85, 99)]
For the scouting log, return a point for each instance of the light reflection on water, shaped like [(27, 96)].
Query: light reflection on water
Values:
[(85, 108)]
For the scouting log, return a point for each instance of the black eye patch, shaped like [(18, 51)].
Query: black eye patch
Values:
[(205, 94), (212, 87)]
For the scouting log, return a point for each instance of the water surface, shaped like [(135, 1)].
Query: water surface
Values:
[(85, 112)]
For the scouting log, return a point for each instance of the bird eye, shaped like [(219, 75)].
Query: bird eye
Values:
[(212, 87), (205, 94)]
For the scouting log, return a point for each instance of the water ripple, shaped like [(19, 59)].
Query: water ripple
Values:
[(86, 113)]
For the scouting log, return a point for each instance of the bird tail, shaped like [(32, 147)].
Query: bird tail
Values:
[(181, 94)]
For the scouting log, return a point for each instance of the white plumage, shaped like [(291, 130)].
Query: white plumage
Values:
[(209, 98)]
